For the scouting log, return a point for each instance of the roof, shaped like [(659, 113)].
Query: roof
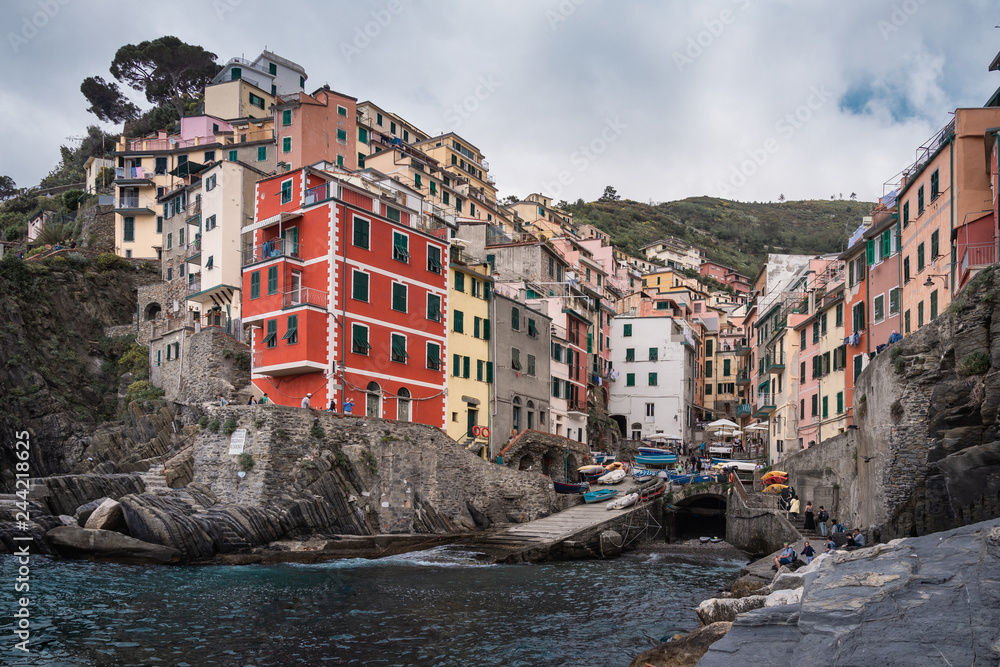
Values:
[(281, 61)]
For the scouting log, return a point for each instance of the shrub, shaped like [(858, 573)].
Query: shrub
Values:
[(309, 465), (369, 460), (229, 426), (340, 458), (976, 363), (245, 461), (203, 422), (77, 260), (142, 391), (57, 262), (896, 352), (317, 431), (108, 261), (35, 251), (135, 360), (899, 364), (213, 426)]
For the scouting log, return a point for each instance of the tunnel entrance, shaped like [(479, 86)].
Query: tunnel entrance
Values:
[(700, 516)]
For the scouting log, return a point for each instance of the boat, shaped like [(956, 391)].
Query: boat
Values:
[(592, 477), (599, 495), (655, 490), (704, 538), (774, 473), (655, 451), (699, 479), (657, 461), (591, 469), (679, 479), (615, 465), (716, 540), (740, 466), (775, 488), (642, 473), (612, 476), (623, 502), (603, 457), (563, 487)]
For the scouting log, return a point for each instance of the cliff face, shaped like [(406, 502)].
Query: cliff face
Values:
[(928, 453), (55, 375)]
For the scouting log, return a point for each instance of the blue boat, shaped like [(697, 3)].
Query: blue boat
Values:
[(599, 495), (602, 458), (642, 473), (679, 479), (563, 487), (698, 479), (657, 461), (654, 451)]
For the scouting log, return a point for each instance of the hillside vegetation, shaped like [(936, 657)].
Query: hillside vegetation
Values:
[(737, 234)]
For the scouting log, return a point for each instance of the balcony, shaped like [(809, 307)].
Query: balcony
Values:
[(976, 256), (743, 410), (131, 204), (304, 296), (765, 405), (775, 364), (269, 361), (192, 212), (276, 248), (743, 378), (576, 406), (192, 251), (133, 176), (194, 286)]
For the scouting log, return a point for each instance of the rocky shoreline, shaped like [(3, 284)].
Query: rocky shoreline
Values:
[(923, 600)]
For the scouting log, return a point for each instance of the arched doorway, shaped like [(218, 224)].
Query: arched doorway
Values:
[(526, 462), (403, 405), (530, 414), (152, 310), (516, 414), (373, 400), (636, 431)]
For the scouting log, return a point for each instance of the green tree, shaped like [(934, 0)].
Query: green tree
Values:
[(107, 101), (7, 188), (610, 194), (167, 70)]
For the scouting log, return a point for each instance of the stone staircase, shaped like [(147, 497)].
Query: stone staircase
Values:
[(154, 481), (812, 535)]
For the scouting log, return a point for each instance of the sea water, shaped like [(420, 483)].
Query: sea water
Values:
[(436, 607)]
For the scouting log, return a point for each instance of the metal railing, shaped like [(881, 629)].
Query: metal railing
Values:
[(162, 327), (136, 173), (193, 209), (165, 144), (978, 254), (304, 296), (128, 201), (194, 286), (274, 248)]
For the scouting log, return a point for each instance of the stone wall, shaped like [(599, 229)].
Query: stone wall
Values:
[(97, 228), (756, 529), (927, 447), (211, 367), (827, 475), (550, 454)]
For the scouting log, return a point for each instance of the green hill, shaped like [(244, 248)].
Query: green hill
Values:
[(736, 234)]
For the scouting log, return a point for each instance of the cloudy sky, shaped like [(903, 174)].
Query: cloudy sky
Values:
[(747, 99)]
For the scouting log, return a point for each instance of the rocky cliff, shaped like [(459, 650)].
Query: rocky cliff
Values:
[(928, 450)]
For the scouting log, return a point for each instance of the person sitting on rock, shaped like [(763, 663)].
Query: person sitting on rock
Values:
[(856, 540), (786, 556), (808, 552)]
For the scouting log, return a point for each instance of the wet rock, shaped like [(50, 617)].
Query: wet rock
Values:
[(108, 545), (747, 585), (108, 516), (610, 544), (684, 651), (727, 609)]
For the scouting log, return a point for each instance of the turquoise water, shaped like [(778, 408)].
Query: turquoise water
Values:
[(430, 608)]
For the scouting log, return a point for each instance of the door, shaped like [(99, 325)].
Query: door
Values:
[(373, 401), (472, 419), (295, 291), (290, 241)]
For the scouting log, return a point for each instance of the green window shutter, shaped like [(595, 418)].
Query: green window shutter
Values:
[(934, 305), (129, 232), (629, 354), (255, 285), (886, 243), (399, 297), (475, 326), (359, 335), (286, 117), (627, 330), (489, 371), (272, 280), (261, 153), (292, 332), (871, 252), (286, 144), (342, 135), (479, 370), (360, 290), (515, 319), (286, 192), (400, 247), (652, 379), (363, 135), (935, 244), (233, 156), (459, 326), (850, 273), (456, 365), (802, 339), (726, 366), (630, 379), (466, 367), (840, 402), (361, 229), (486, 329), (398, 344), (433, 356), (555, 387), (459, 281), (433, 307), (826, 406), (271, 339)]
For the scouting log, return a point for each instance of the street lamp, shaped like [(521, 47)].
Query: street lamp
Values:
[(930, 282)]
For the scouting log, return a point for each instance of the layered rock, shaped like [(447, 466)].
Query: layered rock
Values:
[(924, 600)]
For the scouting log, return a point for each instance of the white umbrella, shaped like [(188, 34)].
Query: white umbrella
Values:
[(756, 427), (661, 436), (721, 423)]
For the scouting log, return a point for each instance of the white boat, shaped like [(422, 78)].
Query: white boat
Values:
[(623, 502), (612, 477)]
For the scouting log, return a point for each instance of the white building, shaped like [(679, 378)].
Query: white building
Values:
[(654, 390)]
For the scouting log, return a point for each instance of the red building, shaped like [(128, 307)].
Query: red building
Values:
[(726, 275), (346, 294)]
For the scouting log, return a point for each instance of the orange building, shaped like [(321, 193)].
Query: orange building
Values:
[(321, 127)]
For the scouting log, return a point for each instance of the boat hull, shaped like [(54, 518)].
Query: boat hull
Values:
[(599, 495), (563, 487), (656, 461)]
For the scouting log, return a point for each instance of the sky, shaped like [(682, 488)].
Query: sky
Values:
[(743, 99)]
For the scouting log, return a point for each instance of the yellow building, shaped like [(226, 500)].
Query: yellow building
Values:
[(237, 98), (470, 377), (470, 173)]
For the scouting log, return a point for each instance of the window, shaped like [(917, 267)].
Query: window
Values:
[(209, 156), (434, 259), (708, 389), (210, 183), (486, 329), (459, 281), (255, 285), (286, 191), (802, 371), (359, 339), (399, 297), (434, 307), (261, 153), (434, 190), (417, 182), (708, 368), (650, 409), (392, 127), (920, 314), (361, 233), (822, 328), (433, 356), (398, 352), (341, 111), (726, 367), (359, 286), (286, 117), (906, 214), (629, 354), (802, 339), (816, 331), (906, 269), (170, 273), (630, 379), (652, 379), (879, 308), (129, 229), (840, 315), (654, 353), (400, 247), (363, 135), (378, 119), (272, 280), (858, 361), (342, 136), (170, 241), (392, 213), (234, 156), (934, 305), (515, 358), (271, 338), (272, 68), (476, 326), (935, 185), (257, 101), (814, 405), (531, 365), (894, 301), (532, 330), (459, 322), (292, 330), (858, 317), (840, 402), (286, 144), (556, 382), (906, 322), (920, 200), (180, 237), (920, 258), (340, 160), (935, 245), (627, 330), (515, 319), (210, 263)]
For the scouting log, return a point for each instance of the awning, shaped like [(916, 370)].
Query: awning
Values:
[(470, 400), (282, 217), (188, 168)]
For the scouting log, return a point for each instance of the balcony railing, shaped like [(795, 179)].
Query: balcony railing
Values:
[(194, 286), (130, 201), (304, 296), (193, 209), (132, 173), (774, 363), (275, 248), (317, 194), (978, 255), (576, 406), (166, 144), (169, 324)]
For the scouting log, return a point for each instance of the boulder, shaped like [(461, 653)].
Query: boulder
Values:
[(785, 581), (747, 585), (108, 516), (685, 651), (108, 545), (67, 520), (727, 609), (84, 511), (784, 596)]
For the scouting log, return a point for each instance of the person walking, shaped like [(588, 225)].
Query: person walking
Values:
[(810, 522), (808, 552), (824, 516), (793, 508)]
